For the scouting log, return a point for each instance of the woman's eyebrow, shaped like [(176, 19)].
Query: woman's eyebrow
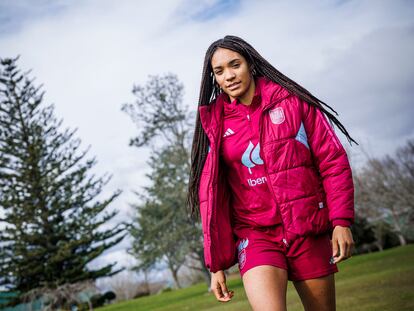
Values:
[(229, 63), (233, 61)]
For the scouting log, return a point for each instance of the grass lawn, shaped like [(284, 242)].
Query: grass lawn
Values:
[(377, 281)]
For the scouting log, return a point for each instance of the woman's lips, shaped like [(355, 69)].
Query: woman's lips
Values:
[(234, 86)]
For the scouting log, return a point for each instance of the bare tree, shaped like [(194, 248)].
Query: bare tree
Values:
[(385, 191), (61, 296), (125, 286)]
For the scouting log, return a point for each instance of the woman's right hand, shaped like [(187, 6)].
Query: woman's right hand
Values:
[(219, 287)]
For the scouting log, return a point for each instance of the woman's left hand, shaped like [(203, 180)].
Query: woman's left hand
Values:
[(342, 243)]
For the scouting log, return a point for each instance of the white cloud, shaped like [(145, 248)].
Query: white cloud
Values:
[(354, 55)]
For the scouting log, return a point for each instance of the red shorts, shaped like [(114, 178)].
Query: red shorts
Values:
[(305, 258)]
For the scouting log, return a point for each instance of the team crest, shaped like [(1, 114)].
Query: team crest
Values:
[(277, 115)]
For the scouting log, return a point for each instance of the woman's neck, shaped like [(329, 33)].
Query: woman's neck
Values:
[(247, 98)]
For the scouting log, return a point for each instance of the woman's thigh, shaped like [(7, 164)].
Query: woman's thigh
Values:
[(265, 287), (317, 294)]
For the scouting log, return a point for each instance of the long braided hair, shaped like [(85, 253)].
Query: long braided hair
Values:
[(210, 90)]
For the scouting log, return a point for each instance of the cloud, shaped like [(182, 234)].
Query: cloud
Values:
[(354, 55)]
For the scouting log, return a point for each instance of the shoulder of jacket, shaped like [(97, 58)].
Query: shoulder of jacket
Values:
[(211, 114), (271, 91)]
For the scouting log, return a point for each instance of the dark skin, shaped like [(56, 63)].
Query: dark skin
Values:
[(266, 285)]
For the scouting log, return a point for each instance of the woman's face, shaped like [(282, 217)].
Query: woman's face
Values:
[(233, 75)]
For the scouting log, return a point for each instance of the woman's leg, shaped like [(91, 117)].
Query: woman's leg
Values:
[(265, 287), (317, 294)]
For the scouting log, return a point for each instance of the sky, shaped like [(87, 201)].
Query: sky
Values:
[(354, 55)]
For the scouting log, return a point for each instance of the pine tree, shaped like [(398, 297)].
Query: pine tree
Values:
[(162, 230), (50, 215)]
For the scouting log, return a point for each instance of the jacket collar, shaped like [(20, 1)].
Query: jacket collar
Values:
[(235, 104), (211, 115)]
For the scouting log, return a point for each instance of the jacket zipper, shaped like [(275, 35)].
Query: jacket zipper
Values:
[(284, 240)]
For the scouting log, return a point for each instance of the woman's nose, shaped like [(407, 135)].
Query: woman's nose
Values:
[(230, 75)]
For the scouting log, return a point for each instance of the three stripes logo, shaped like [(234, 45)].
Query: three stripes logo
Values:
[(251, 157), (228, 132)]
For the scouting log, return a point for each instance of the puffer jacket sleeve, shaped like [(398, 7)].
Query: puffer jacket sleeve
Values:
[(332, 162)]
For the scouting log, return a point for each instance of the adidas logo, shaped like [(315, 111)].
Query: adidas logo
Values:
[(228, 132)]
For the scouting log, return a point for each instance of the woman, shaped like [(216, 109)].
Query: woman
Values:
[(271, 180)]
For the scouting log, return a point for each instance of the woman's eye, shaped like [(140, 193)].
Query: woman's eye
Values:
[(218, 72), (236, 65)]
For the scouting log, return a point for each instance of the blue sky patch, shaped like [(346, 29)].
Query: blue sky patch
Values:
[(208, 10), (14, 14)]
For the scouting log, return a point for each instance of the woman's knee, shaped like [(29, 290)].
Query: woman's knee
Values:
[(317, 294), (265, 287)]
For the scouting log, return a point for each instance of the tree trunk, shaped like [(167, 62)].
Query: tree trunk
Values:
[(397, 227), (378, 237), (402, 239), (175, 276), (146, 282), (379, 245), (207, 276), (206, 272)]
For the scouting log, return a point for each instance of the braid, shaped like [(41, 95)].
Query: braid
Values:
[(209, 91), (198, 156)]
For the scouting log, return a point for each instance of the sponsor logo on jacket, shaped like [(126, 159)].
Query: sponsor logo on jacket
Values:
[(251, 156)]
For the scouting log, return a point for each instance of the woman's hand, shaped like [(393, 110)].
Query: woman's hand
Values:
[(219, 287), (342, 243)]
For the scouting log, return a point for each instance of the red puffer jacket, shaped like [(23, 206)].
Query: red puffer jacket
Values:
[(306, 166)]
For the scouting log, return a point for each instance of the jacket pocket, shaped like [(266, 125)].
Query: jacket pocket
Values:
[(305, 216), (204, 216), (320, 220), (203, 187)]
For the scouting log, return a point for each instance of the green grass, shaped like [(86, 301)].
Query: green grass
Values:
[(378, 281)]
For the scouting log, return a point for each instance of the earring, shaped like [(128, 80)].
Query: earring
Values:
[(215, 83), (253, 72)]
